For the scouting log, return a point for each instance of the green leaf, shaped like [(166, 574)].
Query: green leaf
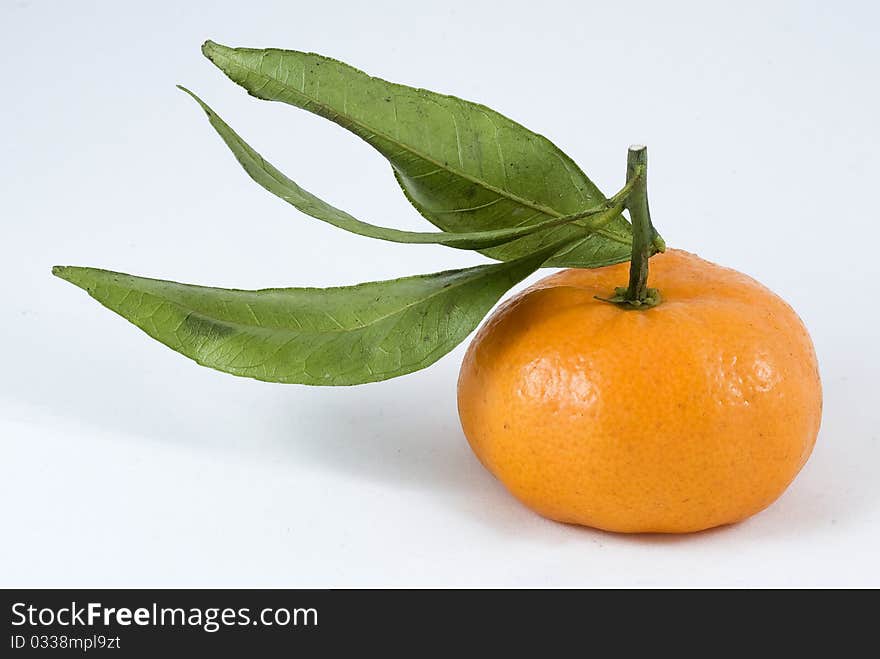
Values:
[(271, 179), (332, 336), (464, 166)]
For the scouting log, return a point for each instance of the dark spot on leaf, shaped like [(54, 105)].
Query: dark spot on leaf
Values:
[(199, 326)]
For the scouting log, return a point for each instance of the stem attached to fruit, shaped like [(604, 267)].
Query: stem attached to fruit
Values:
[(646, 240)]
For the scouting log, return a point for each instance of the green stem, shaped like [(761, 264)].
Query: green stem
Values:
[(646, 241), (637, 204)]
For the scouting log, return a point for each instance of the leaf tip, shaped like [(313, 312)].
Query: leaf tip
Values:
[(66, 272), (187, 91), (193, 95), (210, 48)]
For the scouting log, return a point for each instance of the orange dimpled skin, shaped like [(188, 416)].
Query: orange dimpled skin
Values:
[(692, 414)]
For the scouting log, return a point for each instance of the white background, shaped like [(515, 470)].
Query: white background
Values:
[(123, 463)]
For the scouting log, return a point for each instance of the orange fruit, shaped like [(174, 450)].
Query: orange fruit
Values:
[(694, 413)]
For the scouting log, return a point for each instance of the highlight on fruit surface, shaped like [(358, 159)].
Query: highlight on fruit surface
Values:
[(594, 397)]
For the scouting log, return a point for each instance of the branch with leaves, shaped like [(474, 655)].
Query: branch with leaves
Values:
[(488, 183)]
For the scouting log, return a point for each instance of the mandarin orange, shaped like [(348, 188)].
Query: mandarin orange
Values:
[(692, 414)]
